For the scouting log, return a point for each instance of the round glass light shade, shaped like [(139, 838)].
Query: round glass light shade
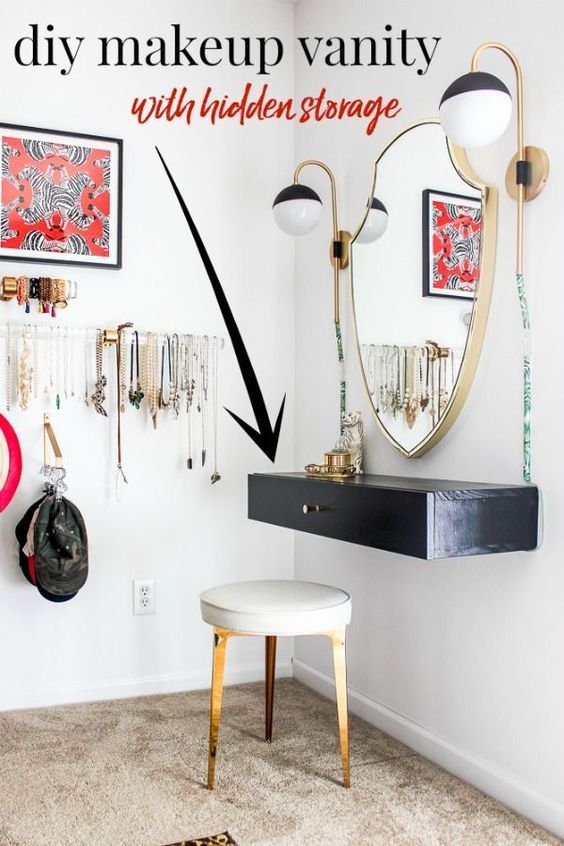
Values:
[(475, 109), (297, 209), (375, 224)]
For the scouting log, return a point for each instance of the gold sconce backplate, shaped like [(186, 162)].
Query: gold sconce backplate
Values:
[(345, 240), (540, 167)]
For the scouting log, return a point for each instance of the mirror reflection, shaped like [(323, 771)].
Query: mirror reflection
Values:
[(415, 284)]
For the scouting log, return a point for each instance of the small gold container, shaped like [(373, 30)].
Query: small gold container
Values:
[(336, 459), (337, 465)]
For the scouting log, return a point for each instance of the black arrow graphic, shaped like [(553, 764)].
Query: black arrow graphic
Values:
[(266, 438)]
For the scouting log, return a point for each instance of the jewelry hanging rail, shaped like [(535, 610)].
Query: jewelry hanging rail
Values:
[(167, 374), (411, 382)]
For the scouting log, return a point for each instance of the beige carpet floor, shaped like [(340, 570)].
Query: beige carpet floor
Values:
[(131, 773)]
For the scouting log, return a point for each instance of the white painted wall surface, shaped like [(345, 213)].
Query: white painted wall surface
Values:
[(170, 525), (464, 659)]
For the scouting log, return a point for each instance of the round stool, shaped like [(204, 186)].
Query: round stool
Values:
[(272, 609)]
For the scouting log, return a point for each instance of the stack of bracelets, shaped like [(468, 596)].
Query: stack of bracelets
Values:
[(50, 294)]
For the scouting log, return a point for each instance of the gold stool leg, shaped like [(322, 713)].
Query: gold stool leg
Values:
[(269, 673), (219, 644), (340, 664)]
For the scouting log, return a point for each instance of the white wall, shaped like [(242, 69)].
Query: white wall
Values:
[(463, 658), (170, 525)]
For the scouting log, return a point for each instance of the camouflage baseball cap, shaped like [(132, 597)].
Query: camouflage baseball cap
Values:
[(61, 547), (21, 535)]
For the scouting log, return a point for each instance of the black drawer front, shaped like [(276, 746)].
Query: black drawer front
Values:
[(392, 520)]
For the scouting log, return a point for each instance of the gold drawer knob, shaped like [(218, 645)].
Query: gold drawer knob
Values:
[(308, 509)]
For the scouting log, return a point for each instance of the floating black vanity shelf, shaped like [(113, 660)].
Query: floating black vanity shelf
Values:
[(425, 518)]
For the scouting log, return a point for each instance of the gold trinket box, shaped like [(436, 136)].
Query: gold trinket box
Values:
[(337, 465)]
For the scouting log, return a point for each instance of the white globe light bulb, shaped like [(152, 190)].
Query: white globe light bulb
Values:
[(375, 223), (475, 110), (297, 209)]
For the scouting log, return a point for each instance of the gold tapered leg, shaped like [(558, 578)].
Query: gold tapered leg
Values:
[(339, 661), (269, 673), (219, 644)]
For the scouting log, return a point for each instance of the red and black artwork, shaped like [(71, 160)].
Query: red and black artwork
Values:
[(452, 237), (60, 198)]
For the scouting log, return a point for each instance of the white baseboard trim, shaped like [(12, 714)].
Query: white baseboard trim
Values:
[(126, 688), (496, 782)]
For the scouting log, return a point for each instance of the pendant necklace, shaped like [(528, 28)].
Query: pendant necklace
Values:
[(71, 342), (406, 396), (8, 367), (86, 368), (215, 476), (151, 390), (58, 369), (122, 340), (174, 354), (99, 397), (135, 391), (34, 362), (425, 391), (443, 393), (189, 365), (121, 477), (164, 391), (204, 359), (25, 371), (412, 403), (432, 410), (65, 345)]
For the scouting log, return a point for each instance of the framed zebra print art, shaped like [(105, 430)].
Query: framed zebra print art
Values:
[(61, 197), (452, 236)]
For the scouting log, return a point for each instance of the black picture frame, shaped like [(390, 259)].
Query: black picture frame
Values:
[(115, 186), (427, 197)]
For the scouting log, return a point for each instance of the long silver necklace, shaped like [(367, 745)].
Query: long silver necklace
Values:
[(24, 371), (58, 368), (189, 370), (215, 476), (175, 377), (204, 375), (8, 367), (151, 358), (86, 369), (164, 390)]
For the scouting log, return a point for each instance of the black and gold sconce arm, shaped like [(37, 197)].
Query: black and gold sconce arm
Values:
[(297, 211), (475, 111)]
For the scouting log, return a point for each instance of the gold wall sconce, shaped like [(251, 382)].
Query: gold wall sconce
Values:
[(475, 111), (297, 211)]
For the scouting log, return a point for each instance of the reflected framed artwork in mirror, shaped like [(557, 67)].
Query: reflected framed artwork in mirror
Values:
[(419, 349), (451, 236)]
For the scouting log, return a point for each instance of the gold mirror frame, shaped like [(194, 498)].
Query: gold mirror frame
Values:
[(480, 309)]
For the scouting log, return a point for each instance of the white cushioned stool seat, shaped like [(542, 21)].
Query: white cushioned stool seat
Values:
[(273, 607)]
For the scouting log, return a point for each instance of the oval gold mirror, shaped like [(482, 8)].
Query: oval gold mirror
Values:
[(421, 285)]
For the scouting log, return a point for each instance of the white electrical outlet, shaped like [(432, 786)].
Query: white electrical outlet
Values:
[(144, 596)]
